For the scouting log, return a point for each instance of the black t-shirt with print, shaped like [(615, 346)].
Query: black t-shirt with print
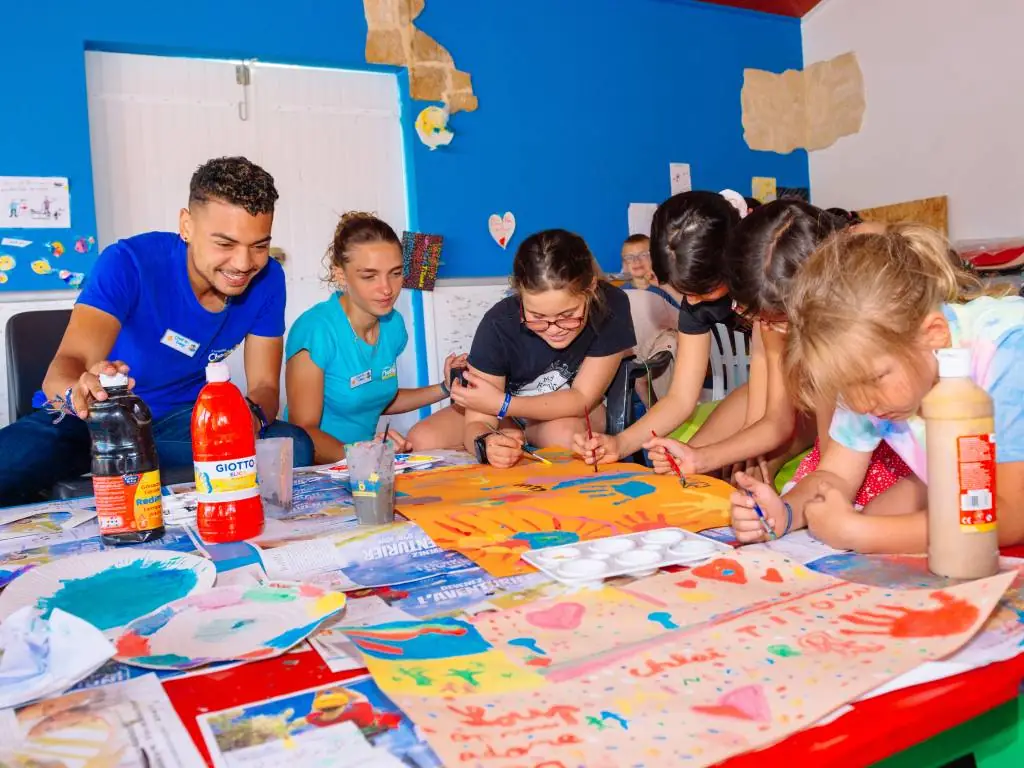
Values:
[(700, 318), (503, 346)]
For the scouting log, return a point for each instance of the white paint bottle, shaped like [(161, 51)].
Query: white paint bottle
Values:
[(961, 444)]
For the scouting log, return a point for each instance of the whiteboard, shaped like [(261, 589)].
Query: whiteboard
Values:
[(458, 307)]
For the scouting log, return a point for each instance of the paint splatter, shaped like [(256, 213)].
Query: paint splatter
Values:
[(662, 618), (606, 715), (116, 596), (783, 651), (746, 703), (566, 616), (724, 569), (218, 630), (529, 644), (542, 539)]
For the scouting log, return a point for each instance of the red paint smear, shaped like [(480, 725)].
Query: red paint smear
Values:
[(131, 644)]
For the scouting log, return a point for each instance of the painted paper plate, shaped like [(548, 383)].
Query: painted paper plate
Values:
[(236, 623), (111, 588)]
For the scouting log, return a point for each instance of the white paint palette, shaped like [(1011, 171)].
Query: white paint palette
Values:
[(631, 554)]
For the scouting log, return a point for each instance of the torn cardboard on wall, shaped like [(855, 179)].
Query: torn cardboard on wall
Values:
[(392, 38), (803, 109), (933, 211)]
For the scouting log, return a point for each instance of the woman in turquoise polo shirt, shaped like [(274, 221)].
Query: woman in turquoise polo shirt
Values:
[(342, 353)]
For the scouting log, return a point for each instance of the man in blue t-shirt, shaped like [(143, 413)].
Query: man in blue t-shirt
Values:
[(163, 305)]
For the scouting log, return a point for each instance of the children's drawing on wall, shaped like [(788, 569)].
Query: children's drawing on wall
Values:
[(432, 128), (31, 202), (502, 228)]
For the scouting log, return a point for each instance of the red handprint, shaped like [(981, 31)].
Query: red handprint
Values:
[(953, 615), (641, 521)]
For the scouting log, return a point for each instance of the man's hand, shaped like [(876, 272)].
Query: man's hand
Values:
[(87, 390)]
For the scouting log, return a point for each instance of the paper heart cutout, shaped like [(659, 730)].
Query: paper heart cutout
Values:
[(565, 616), (502, 228), (772, 575), (724, 569), (746, 703)]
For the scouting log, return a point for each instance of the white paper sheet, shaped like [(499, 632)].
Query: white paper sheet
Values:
[(798, 545), (639, 216), (679, 177), (40, 658), (34, 202)]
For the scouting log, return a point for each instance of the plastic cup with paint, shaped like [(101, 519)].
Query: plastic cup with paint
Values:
[(612, 546), (641, 562), (584, 569), (692, 549), (663, 537)]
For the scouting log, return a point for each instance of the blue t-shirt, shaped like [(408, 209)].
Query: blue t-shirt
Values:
[(359, 380), (167, 337)]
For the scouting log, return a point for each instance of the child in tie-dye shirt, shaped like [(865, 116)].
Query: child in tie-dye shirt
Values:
[(867, 312)]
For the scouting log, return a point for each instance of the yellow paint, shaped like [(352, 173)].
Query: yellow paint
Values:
[(329, 603), (493, 673), (689, 596)]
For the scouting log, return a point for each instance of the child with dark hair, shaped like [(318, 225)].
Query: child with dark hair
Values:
[(165, 304), (540, 359), (342, 370), (689, 233)]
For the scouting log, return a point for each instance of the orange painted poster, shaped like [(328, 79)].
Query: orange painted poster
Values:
[(682, 668), (494, 515)]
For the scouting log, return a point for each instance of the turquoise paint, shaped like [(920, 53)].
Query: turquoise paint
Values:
[(663, 618), (116, 596), (605, 715), (583, 104), (542, 539), (218, 630), (529, 644), (166, 660), (149, 625), (287, 639)]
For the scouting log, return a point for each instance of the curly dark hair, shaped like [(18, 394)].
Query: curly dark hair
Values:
[(235, 181)]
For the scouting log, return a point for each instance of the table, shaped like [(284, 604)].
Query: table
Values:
[(982, 704)]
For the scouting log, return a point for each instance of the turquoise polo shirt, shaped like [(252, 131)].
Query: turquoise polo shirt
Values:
[(360, 380)]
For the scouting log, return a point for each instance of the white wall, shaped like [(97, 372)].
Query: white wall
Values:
[(945, 108)]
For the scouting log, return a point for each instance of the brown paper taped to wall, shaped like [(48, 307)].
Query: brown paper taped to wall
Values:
[(392, 38), (933, 211), (809, 109)]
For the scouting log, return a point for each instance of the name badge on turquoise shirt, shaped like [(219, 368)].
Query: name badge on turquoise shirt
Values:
[(389, 372), (358, 380)]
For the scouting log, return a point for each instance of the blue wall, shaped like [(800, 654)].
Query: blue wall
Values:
[(583, 103)]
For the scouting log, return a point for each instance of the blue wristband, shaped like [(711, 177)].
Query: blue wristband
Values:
[(444, 389), (504, 406), (789, 517)]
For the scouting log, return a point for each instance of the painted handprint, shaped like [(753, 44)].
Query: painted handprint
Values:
[(823, 642), (622, 493), (952, 616), (641, 521)]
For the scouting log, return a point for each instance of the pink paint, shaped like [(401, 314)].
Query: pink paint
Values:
[(565, 616), (746, 703), (218, 598)]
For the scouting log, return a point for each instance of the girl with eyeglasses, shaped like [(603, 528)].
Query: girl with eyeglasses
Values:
[(540, 359)]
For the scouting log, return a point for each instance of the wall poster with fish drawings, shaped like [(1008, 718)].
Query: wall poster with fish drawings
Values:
[(684, 668), (44, 260), (493, 515)]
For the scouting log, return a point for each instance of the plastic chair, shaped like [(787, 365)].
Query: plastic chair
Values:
[(730, 361)]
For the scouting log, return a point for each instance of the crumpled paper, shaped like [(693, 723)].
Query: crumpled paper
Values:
[(43, 657)]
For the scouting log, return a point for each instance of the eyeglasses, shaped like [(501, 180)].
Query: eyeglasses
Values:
[(778, 323), (630, 257), (565, 323)]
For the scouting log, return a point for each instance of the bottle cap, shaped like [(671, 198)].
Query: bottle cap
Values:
[(218, 372), (954, 363), (117, 380)]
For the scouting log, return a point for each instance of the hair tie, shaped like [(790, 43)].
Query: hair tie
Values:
[(737, 201)]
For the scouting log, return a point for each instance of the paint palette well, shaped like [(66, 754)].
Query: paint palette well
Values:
[(111, 588), (236, 623), (631, 554)]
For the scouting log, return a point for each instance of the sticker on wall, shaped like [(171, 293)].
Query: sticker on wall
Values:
[(432, 128), (502, 228), (56, 248), (7, 262), (71, 279), (42, 267), (85, 244), (679, 177), (15, 242), (763, 188)]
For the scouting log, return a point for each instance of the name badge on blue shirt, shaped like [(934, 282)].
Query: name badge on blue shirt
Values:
[(363, 378), (389, 372), (181, 343)]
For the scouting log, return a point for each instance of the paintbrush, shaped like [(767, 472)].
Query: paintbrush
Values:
[(526, 450), (387, 428), (672, 463), (764, 521), (590, 434)]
